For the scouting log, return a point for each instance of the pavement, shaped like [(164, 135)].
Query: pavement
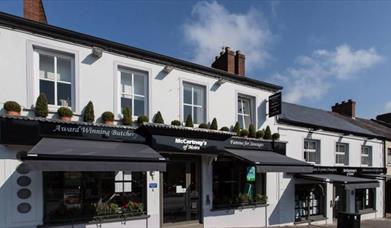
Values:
[(372, 223)]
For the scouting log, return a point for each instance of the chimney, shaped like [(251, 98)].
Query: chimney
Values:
[(226, 61), (239, 63), (345, 108), (33, 10), (384, 117)]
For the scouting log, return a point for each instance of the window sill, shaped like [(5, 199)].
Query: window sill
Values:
[(238, 207), (366, 211), (311, 219)]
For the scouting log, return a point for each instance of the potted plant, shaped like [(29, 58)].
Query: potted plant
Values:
[(203, 125), (251, 131), (107, 118), (237, 128), (244, 133), (41, 106), (65, 113), (259, 134), (142, 119), (12, 108), (260, 199), (275, 136), (176, 123), (224, 129), (213, 125), (268, 133), (244, 199), (89, 114), (158, 118), (126, 116), (189, 121)]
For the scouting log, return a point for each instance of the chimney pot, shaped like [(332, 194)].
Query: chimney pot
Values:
[(34, 10), (345, 108)]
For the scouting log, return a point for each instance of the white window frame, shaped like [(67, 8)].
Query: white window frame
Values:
[(192, 105), (37, 51), (346, 146), (316, 150), (368, 156), (132, 71), (252, 108)]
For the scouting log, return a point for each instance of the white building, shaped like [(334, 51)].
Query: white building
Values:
[(58, 172)]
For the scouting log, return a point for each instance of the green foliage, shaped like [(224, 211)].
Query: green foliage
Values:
[(107, 208), (244, 133), (275, 136), (189, 121), (176, 123), (89, 114), (243, 198), (259, 198), (158, 118), (12, 106), (224, 129), (64, 112), (203, 125), (41, 106), (251, 131), (126, 116), (214, 126), (268, 133), (107, 116), (142, 119), (237, 128), (259, 134)]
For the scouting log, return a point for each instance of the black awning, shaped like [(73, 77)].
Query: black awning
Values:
[(377, 176), (349, 182), (266, 161), (53, 154)]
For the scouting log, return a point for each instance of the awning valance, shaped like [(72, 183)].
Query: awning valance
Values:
[(54, 154), (377, 176), (349, 182), (266, 161)]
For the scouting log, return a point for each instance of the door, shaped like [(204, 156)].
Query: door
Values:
[(181, 195), (339, 200)]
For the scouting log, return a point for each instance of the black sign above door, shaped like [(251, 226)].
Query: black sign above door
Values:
[(275, 104)]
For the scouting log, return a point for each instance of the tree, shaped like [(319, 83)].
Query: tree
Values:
[(41, 106), (89, 115), (214, 126)]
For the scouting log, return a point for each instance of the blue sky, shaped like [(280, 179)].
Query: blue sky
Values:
[(321, 52)]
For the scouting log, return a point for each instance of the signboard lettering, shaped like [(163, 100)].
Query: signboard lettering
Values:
[(275, 104)]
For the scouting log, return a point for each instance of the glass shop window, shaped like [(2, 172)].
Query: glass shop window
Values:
[(236, 183), (365, 199), (71, 197), (309, 201)]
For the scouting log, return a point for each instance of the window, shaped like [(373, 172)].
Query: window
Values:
[(133, 91), (341, 154), (366, 155), (365, 199), (245, 111), (311, 151), (84, 196), (389, 156), (56, 74), (309, 201), (237, 183), (194, 102)]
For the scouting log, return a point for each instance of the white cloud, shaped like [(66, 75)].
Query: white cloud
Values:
[(212, 26), (387, 107), (313, 75)]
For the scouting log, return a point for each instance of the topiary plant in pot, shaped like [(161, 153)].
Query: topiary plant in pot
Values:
[(244, 133), (268, 133), (41, 106), (176, 123), (12, 108), (89, 114), (126, 116), (65, 113), (189, 121), (158, 118), (213, 125), (251, 131), (275, 136), (107, 118), (224, 129), (259, 134), (237, 128), (142, 119), (203, 125)]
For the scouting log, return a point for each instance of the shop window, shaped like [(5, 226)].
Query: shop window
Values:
[(342, 154), (236, 183), (365, 199), (245, 112), (389, 156), (194, 102), (366, 155), (71, 197), (56, 75), (133, 91), (309, 201), (312, 151)]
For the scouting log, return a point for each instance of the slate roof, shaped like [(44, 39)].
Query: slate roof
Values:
[(371, 125), (299, 115)]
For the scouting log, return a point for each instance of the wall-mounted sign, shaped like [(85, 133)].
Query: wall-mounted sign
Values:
[(170, 143), (152, 185), (348, 170), (275, 104), (251, 174), (256, 144)]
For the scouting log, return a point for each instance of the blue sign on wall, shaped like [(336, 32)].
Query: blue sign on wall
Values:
[(152, 185)]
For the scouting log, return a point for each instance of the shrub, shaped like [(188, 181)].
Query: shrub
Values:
[(64, 112), (126, 116), (214, 126), (107, 116), (224, 129), (237, 128), (268, 133), (244, 133), (142, 119), (158, 118), (89, 114), (259, 134), (203, 125), (251, 131), (259, 198), (41, 106), (189, 121), (176, 123), (12, 106), (275, 136)]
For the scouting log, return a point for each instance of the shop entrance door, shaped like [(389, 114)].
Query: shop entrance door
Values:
[(339, 200), (181, 190)]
